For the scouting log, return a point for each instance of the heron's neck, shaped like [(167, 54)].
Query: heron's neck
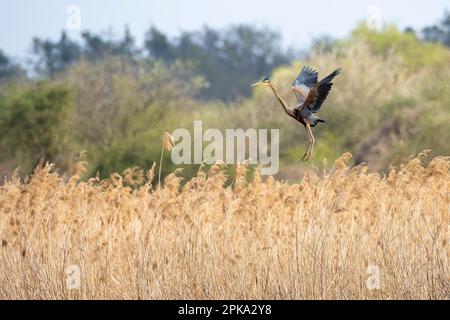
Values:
[(285, 106)]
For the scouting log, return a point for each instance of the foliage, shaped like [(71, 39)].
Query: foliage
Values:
[(122, 109), (439, 32), (8, 69), (33, 123), (414, 53), (228, 59), (52, 57), (391, 101)]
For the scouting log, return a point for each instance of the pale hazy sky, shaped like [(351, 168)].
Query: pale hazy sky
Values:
[(298, 21)]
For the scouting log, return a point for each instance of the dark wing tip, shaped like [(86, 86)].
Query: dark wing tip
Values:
[(310, 70), (307, 76)]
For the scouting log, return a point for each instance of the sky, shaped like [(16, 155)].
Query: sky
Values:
[(299, 22)]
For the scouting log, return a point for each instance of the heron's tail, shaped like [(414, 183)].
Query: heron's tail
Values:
[(314, 120), (331, 76)]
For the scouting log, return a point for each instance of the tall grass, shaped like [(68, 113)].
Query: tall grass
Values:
[(313, 239)]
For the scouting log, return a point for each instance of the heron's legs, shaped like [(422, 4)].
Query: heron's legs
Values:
[(311, 142), (306, 151)]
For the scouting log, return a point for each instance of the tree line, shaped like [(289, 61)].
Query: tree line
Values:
[(228, 59)]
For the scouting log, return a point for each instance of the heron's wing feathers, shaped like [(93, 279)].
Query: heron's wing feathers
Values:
[(304, 82), (308, 77), (301, 92), (319, 92)]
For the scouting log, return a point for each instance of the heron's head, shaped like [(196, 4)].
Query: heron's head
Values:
[(264, 81)]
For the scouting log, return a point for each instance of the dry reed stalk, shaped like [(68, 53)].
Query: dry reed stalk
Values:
[(318, 238)]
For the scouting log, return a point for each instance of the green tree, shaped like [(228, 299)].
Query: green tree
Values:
[(33, 123), (122, 109), (229, 59), (8, 69), (55, 56), (439, 32)]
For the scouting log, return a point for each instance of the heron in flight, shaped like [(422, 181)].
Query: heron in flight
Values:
[(310, 96)]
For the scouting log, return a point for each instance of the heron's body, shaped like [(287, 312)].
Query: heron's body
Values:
[(310, 97), (306, 117)]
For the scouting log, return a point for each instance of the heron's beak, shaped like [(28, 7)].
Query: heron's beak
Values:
[(256, 84)]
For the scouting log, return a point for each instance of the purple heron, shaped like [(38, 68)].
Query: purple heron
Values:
[(310, 96)]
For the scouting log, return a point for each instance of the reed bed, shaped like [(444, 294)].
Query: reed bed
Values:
[(330, 235)]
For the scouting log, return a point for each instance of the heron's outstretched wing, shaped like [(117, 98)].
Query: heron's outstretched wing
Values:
[(308, 77), (303, 84), (319, 92)]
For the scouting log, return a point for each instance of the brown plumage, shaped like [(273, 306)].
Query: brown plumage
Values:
[(310, 97)]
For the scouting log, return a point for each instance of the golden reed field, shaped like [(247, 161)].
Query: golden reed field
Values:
[(345, 233)]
